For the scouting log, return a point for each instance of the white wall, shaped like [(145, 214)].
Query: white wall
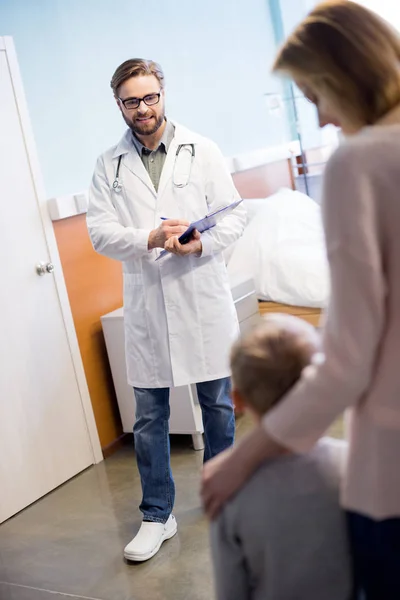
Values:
[(216, 55), (388, 9), (293, 11)]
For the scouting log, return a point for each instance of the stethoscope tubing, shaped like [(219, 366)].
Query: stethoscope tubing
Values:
[(117, 186)]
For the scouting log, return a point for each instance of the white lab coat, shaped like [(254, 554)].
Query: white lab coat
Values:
[(180, 319)]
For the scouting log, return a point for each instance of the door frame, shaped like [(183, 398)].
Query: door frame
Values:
[(7, 45)]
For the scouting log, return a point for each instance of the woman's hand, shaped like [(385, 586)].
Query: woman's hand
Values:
[(224, 475)]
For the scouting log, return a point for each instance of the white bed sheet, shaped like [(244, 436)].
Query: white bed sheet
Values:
[(283, 250)]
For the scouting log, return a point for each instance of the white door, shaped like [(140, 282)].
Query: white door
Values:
[(44, 437)]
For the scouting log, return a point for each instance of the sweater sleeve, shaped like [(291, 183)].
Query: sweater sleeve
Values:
[(356, 312), (232, 579)]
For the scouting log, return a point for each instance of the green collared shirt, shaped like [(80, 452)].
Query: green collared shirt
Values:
[(154, 160)]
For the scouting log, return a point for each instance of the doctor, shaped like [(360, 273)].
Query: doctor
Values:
[(180, 320)]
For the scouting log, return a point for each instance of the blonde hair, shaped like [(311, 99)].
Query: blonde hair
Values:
[(133, 68), (269, 360), (349, 54)]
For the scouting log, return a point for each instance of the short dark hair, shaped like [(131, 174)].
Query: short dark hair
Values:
[(133, 68), (267, 361)]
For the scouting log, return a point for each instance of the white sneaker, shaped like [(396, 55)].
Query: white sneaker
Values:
[(149, 538)]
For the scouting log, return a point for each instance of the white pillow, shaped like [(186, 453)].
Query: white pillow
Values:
[(283, 250), (252, 207)]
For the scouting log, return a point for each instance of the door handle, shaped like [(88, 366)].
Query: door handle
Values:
[(44, 268)]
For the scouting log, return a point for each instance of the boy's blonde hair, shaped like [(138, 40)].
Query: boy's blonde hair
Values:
[(269, 360), (349, 54)]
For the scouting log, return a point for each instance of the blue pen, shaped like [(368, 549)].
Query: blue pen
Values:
[(164, 219)]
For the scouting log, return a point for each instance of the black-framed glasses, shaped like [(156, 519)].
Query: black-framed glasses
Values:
[(149, 100)]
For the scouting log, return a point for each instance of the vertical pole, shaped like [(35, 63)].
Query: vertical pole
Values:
[(291, 110)]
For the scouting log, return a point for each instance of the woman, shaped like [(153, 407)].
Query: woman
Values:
[(346, 60)]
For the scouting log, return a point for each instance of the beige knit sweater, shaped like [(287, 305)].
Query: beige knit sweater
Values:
[(361, 342)]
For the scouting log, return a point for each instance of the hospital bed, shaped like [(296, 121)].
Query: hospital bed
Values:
[(282, 248)]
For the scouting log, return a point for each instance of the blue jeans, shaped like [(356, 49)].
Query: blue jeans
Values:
[(151, 433), (375, 547)]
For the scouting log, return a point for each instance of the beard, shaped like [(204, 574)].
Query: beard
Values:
[(149, 128)]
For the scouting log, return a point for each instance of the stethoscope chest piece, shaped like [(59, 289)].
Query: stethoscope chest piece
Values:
[(117, 187)]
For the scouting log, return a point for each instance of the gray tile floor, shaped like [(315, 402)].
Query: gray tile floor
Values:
[(69, 544)]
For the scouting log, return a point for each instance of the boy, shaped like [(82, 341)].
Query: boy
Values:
[(283, 537)]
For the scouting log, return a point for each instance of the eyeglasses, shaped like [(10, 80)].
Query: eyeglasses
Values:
[(149, 100)]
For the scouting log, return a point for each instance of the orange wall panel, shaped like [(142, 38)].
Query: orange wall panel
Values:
[(94, 285)]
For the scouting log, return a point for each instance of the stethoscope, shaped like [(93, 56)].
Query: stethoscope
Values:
[(183, 183), (117, 187)]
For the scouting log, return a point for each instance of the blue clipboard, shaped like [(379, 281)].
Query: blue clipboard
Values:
[(204, 224)]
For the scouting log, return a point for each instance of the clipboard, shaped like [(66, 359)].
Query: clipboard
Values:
[(204, 224)]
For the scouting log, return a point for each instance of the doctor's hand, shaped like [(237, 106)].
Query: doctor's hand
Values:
[(193, 247), (167, 229), (224, 475)]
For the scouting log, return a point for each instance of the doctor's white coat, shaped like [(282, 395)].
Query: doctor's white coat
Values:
[(179, 315)]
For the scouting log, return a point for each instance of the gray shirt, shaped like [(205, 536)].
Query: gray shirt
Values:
[(154, 160), (283, 537)]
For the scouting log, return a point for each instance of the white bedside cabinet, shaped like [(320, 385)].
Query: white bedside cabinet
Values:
[(185, 409)]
